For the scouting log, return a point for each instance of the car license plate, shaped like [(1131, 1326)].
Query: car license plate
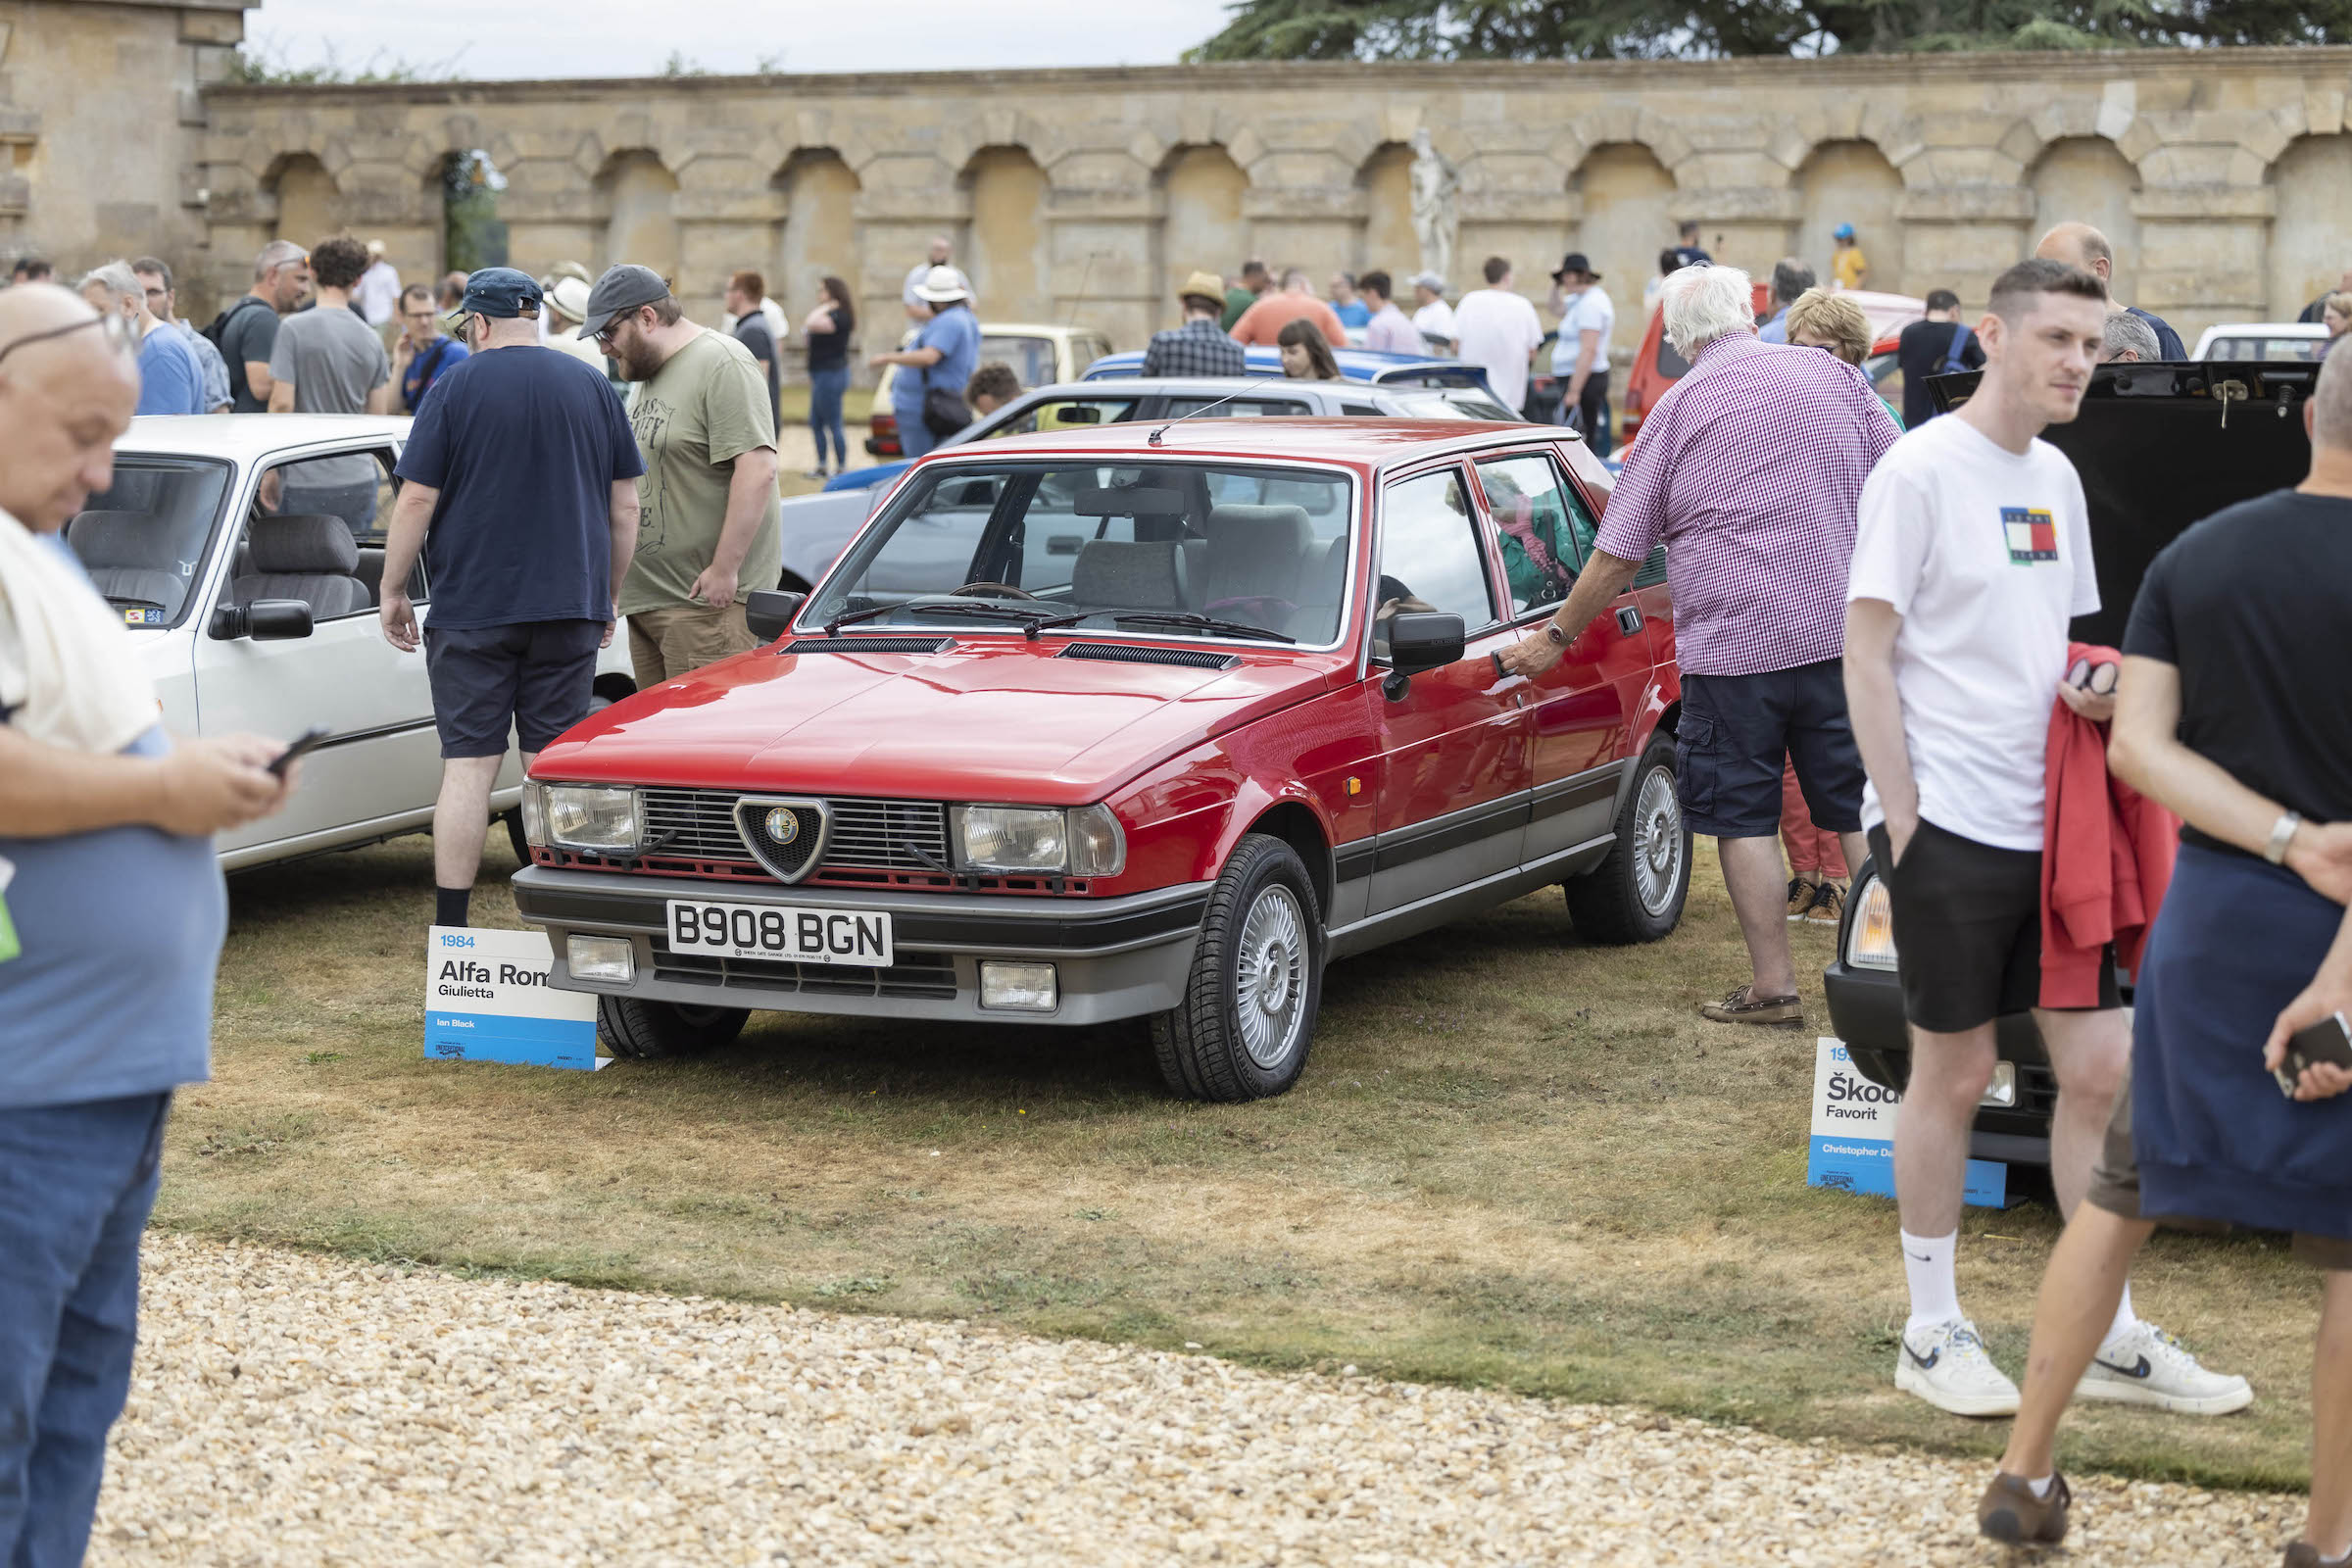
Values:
[(779, 932)]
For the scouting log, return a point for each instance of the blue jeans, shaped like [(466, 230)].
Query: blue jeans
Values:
[(825, 388), (75, 1184)]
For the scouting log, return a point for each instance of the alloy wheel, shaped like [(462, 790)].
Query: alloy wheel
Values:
[(1657, 840), (1270, 980)]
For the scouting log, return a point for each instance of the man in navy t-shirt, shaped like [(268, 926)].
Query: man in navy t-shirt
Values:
[(519, 491)]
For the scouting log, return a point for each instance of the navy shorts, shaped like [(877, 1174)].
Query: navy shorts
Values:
[(535, 677), (1737, 734)]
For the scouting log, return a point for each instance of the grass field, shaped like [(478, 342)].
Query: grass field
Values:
[(1513, 1161)]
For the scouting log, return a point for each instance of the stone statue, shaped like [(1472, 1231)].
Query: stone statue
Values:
[(1437, 205)]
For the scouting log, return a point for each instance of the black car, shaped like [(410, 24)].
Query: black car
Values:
[(2159, 448)]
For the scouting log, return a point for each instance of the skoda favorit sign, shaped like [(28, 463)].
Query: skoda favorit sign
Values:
[(1854, 1134)]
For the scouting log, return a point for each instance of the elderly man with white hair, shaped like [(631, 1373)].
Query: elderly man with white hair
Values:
[(1750, 468), (171, 376), (2129, 339)]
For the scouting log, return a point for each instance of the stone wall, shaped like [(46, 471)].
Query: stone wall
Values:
[(101, 122)]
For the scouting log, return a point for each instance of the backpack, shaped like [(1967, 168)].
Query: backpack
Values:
[(1951, 358), (216, 332)]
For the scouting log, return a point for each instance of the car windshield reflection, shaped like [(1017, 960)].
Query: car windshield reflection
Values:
[(1231, 553), (143, 538)]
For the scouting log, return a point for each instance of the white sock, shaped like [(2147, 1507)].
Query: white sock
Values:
[(1935, 1286), (2125, 1320), (2041, 1488)]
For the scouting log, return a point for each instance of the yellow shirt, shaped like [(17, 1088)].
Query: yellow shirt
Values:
[(1848, 265)]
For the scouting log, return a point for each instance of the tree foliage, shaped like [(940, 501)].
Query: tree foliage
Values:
[(1656, 29)]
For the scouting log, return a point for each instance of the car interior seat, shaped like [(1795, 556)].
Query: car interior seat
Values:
[(120, 550), (1324, 586), (1149, 575), (306, 555), (1255, 553)]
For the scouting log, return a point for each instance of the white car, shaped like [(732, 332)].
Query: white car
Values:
[(2262, 340), (245, 552)]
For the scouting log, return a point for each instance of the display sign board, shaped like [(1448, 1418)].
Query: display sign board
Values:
[(1853, 1134), (487, 999)]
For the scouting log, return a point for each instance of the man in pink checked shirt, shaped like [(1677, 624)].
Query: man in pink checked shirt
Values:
[(1749, 470)]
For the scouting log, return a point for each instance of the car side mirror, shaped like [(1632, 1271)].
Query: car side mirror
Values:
[(265, 620), (769, 611), (1419, 640)]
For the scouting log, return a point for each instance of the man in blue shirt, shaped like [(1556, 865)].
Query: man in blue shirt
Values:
[(520, 490), (945, 353), (423, 351), (2081, 245), (112, 912), (170, 376)]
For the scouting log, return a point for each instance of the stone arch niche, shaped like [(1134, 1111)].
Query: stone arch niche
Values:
[(821, 228), (1388, 241), (1626, 198), (1851, 182), (306, 197), (2312, 181), (640, 199), (1202, 226), (1008, 264), (2086, 179)]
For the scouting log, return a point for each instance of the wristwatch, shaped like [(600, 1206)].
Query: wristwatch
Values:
[(1559, 638), (2282, 833)]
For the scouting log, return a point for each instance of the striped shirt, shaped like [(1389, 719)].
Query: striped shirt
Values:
[(1749, 470)]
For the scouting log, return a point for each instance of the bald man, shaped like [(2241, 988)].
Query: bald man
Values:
[(106, 1001), (2080, 245)]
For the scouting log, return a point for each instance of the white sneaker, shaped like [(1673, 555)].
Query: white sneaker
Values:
[(1947, 1366), (2147, 1366)]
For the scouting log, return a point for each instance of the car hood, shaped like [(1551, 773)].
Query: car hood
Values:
[(991, 719)]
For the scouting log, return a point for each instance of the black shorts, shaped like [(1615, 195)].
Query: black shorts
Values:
[(1968, 930), (536, 676), (1738, 732)]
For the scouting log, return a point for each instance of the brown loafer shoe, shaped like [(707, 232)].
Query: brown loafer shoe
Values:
[(1742, 1006), (2011, 1515)]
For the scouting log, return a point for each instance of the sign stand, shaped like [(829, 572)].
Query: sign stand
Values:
[(1853, 1134), (487, 999)]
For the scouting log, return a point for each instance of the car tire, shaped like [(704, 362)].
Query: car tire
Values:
[(1637, 894), (632, 1026), (1248, 1016), (515, 834)]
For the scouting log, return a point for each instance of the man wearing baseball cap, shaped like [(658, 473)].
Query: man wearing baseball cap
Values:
[(1848, 264), (1579, 353), (520, 490), (1200, 347), (1432, 315), (709, 530)]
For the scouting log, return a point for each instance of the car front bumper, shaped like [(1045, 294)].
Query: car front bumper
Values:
[(1114, 959), (1866, 1010)]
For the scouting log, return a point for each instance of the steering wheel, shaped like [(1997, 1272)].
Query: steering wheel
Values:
[(981, 590)]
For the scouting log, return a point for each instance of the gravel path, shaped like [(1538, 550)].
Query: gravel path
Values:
[(299, 1409)]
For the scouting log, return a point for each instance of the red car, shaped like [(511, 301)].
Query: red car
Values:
[(1148, 721)]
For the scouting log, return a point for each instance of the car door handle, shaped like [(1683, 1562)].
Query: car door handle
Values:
[(1628, 619)]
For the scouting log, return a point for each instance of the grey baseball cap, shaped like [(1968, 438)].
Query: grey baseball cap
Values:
[(1427, 280), (622, 288)]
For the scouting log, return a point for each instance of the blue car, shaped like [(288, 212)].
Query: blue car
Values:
[(1355, 365)]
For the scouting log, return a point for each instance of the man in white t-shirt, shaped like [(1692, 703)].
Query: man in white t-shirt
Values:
[(1579, 353), (1495, 329), (1433, 317), (378, 293), (1972, 553)]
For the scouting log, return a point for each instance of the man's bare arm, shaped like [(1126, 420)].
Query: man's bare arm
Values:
[(1603, 578), (201, 787), (404, 542), (281, 396), (1874, 709), (259, 381), (623, 515), (750, 492)]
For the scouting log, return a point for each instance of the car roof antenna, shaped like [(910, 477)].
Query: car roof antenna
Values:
[(1154, 438)]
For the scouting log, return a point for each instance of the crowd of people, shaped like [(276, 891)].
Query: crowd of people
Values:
[(1872, 611)]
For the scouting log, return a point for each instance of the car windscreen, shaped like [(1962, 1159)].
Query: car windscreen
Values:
[(143, 539), (1031, 358), (1464, 402), (1244, 552)]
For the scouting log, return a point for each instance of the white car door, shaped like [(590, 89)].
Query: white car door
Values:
[(380, 769)]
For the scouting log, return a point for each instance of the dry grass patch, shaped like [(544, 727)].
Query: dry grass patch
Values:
[(1513, 1161)]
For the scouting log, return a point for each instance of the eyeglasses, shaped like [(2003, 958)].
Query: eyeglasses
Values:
[(119, 335), (606, 332)]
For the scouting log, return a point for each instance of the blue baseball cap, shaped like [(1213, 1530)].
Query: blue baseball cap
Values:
[(498, 292), (1843, 231)]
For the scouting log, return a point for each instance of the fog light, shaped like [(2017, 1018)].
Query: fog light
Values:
[(609, 960), (2002, 1090), (1019, 987)]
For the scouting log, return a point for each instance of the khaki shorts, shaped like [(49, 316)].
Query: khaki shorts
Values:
[(2115, 1188), (665, 644)]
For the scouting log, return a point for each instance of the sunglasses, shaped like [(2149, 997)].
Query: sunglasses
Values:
[(2098, 679), (606, 332), (120, 334)]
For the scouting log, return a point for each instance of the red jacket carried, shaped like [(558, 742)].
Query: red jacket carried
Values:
[(2107, 857)]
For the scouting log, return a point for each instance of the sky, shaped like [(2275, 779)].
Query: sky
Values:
[(614, 38)]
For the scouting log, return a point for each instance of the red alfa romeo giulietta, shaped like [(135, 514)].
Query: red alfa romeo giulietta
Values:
[(1142, 721)]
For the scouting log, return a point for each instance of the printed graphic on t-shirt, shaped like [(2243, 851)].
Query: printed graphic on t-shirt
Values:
[(2033, 535)]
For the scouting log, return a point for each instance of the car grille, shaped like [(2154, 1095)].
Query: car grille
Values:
[(914, 975), (867, 835)]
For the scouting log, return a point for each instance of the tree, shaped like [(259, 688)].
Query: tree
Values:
[(1630, 29)]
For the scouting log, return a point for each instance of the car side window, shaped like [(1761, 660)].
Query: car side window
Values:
[(316, 532), (1235, 408), (1065, 413), (1539, 526), (1429, 555)]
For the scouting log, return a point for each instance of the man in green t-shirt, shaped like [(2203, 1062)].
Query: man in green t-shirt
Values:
[(707, 533), (1255, 280)]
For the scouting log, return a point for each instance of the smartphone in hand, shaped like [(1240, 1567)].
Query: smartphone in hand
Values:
[(2329, 1040), (308, 741)]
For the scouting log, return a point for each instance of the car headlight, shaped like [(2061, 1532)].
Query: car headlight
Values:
[(1869, 939), (534, 814), (603, 822), (1082, 842)]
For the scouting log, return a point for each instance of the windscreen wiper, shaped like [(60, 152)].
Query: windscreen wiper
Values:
[(1185, 618), (942, 607)]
